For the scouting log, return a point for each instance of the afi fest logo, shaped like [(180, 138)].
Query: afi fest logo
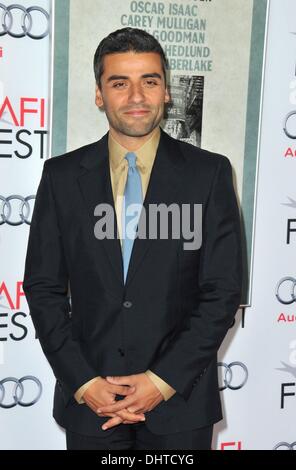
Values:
[(22, 126), (14, 323)]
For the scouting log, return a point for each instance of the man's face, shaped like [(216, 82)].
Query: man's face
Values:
[(133, 92)]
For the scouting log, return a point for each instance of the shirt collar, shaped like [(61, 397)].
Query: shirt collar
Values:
[(145, 154)]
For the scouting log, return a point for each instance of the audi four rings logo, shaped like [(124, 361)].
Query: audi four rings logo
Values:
[(231, 379), (18, 391), (26, 24), (23, 212), (290, 296), (285, 446)]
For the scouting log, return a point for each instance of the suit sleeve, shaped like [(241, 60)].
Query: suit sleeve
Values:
[(46, 286), (165, 389), (196, 343)]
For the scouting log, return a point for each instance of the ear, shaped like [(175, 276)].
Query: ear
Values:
[(99, 98), (167, 97)]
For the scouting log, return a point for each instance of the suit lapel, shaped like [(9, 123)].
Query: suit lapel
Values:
[(164, 186), (95, 184)]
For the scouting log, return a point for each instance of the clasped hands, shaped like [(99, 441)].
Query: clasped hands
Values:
[(141, 395)]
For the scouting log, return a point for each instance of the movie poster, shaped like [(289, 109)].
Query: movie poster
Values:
[(215, 50)]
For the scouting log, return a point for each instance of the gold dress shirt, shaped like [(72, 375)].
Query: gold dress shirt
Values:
[(118, 172)]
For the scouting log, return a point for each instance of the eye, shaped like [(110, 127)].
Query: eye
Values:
[(151, 83), (118, 85)]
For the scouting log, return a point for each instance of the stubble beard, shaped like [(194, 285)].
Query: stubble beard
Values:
[(140, 129)]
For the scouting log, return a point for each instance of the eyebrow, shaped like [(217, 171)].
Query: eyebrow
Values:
[(124, 77)]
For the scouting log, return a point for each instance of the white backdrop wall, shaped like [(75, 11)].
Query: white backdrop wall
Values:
[(24, 124), (261, 414), (258, 358)]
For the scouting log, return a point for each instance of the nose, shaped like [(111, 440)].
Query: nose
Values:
[(136, 94)]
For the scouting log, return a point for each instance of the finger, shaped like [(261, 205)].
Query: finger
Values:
[(119, 405), (131, 416), (125, 415), (123, 389), (134, 409), (112, 422), (97, 409), (121, 380), (103, 415)]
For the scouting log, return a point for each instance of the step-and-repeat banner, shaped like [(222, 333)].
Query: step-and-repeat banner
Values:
[(233, 84), (26, 382)]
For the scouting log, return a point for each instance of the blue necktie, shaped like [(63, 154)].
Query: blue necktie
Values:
[(132, 195)]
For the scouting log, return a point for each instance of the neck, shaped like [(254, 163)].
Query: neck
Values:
[(130, 143)]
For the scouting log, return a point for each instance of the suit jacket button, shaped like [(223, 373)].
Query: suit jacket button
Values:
[(121, 352), (127, 304)]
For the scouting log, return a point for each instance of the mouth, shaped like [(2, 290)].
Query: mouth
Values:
[(137, 112)]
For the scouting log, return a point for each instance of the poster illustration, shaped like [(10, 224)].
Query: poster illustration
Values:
[(183, 118)]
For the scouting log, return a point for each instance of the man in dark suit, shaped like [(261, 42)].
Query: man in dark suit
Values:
[(135, 352)]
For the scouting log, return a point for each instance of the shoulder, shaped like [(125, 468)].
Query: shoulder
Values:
[(69, 161), (200, 155), (198, 158)]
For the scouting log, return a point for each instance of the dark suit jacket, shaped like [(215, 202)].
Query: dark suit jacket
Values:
[(176, 306)]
